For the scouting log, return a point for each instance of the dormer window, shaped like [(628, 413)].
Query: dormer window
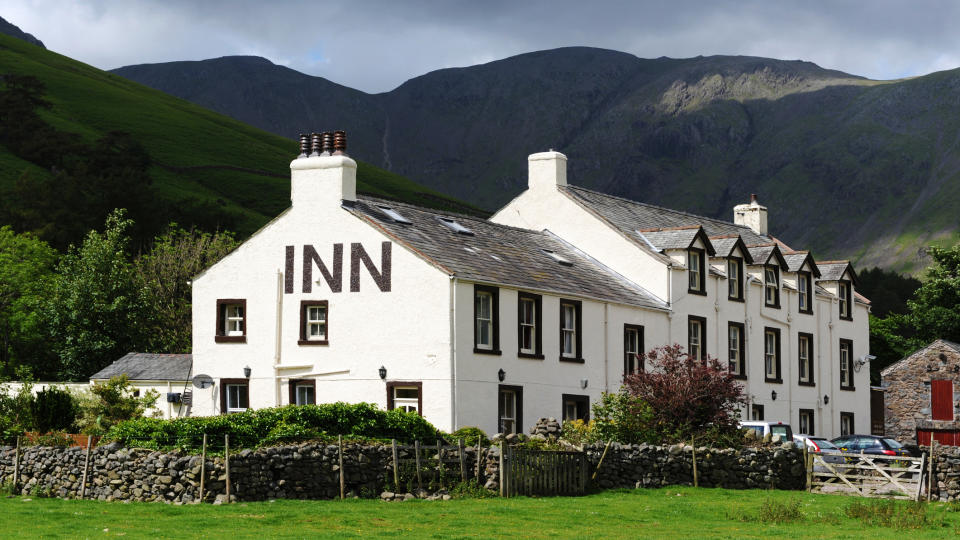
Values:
[(695, 271), (805, 292), (845, 294), (771, 286), (735, 278)]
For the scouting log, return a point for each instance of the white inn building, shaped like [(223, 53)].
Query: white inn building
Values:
[(532, 313)]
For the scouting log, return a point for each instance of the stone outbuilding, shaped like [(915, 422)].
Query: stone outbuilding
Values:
[(919, 400)]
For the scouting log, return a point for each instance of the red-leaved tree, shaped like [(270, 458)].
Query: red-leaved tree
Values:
[(687, 396)]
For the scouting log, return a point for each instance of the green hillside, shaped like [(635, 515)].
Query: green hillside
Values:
[(198, 157)]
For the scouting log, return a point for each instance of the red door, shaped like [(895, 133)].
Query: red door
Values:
[(941, 399)]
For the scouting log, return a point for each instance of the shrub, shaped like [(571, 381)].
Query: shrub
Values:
[(15, 410), (892, 514), (579, 432), (281, 424), (470, 435), (623, 418), (104, 405), (53, 409)]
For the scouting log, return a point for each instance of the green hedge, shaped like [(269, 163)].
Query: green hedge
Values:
[(264, 427)]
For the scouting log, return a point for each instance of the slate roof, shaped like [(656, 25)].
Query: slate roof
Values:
[(833, 270), (674, 237), (629, 216), (502, 255), (724, 246), (149, 367)]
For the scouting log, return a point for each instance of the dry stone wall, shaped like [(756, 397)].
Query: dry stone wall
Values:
[(311, 471)]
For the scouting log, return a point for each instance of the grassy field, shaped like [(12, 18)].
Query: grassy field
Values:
[(677, 512)]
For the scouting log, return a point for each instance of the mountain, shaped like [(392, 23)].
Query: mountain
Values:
[(201, 162), (9, 29), (849, 167)]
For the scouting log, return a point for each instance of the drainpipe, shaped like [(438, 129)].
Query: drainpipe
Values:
[(670, 304), (606, 347), (279, 334), (833, 392), (453, 355), (787, 376)]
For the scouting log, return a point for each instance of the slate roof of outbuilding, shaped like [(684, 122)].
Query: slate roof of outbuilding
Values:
[(899, 363), (628, 216), (149, 367), (502, 255)]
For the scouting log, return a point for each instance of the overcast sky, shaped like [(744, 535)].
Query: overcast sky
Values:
[(375, 46)]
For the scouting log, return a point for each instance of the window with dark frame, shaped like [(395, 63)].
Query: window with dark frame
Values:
[(231, 320), (846, 424), (845, 295), (771, 355), (806, 422), (571, 335), (406, 396), (529, 326), (696, 330), (735, 350), (846, 364), (234, 395), (735, 278), (313, 322), (486, 314), (756, 412), (805, 359), (632, 349), (771, 286), (805, 292), (576, 407), (303, 392), (510, 408), (695, 271)]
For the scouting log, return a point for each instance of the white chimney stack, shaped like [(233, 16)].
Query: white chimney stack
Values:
[(751, 215), (323, 181), (547, 170)]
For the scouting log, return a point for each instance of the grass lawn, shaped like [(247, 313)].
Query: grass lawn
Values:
[(678, 512)]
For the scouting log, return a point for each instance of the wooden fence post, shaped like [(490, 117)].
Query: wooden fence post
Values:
[(463, 464), (16, 466), (440, 471), (933, 459), (599, 463), (340, 454), (203, 466), (226, 462), (693, 456), (479, 440), (396, 468), (503, 475), (86, 468), (416, 457), (807, 467)]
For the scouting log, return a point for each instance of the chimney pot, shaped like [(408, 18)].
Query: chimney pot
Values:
[(327, 143), (753, 197), (339, 143), (314, 144), (304, 145)]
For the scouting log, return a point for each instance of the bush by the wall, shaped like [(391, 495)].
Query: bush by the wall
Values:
[(275, 425), (53, 409), (470, 434)]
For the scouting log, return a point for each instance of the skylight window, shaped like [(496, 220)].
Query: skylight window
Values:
[(455, 226), (557, 257), (394, 215)]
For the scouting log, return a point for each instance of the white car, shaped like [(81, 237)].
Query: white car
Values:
[(772, 428)]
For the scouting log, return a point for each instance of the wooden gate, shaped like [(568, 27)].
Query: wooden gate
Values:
[(536, 472), (867, 475)]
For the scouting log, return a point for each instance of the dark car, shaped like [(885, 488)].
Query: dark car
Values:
[(870, 444)]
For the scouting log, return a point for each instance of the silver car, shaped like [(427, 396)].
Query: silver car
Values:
[(831, 453)]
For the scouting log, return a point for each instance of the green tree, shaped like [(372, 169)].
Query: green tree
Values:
[(26, 265), (163, 275), (106, 404), (94, 312)]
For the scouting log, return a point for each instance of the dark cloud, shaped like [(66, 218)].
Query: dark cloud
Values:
[(376, 45)]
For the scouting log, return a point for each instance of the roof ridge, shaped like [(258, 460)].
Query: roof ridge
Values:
[(833, 262), (722, 236), (698, 216), (677, 228), (367, 200)]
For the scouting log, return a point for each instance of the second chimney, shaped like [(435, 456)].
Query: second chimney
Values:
[(546, 170), (752, 215)]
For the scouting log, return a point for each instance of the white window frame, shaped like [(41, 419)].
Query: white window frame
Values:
[(233, 320), (508, 404), (568, 330), (771, 286), (844, 289), (806, 417), (695, 338), (407, 404), (846, 377), (803, 289), (301, 399), (734, 338), (695, 281), (233, 399), (484, 322), (318, 323), (528, 325), (734, 282), (846, 424), (770, 354), (632, 350), (806, 365)]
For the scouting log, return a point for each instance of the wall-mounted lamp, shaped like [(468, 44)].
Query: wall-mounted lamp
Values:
[(826, 399), (383, 372), (773, 395), (246, 372), (501, 374), (583, 383)]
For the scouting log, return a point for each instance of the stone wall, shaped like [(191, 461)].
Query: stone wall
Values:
[(946, 468), (311, 471), (907, 391)]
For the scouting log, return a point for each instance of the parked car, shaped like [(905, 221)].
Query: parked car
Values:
[(870, 444), (772, 428), (819, 445)]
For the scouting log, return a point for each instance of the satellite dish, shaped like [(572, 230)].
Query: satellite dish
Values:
[(202, 381)]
